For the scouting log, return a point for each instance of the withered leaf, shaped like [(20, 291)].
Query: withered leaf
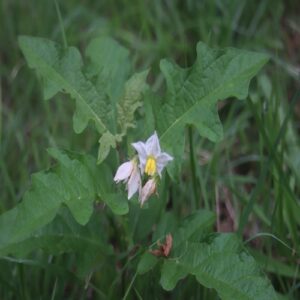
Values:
[(164, 249)]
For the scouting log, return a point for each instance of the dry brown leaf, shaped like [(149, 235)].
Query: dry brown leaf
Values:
[(164, 249)]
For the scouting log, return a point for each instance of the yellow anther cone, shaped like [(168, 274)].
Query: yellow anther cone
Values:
[(150, 168)]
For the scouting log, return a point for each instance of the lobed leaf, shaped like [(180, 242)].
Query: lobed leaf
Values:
[(192, 93), (197, 224), (61, 71), (218, 261), (97, 91), (62, 235), (76, 182)]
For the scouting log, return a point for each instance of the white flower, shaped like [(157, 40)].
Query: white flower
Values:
[(152, 160), (129, 173), (148, 189)]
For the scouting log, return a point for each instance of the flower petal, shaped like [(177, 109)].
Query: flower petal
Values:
[(134, 182), (152, 145), (140, 147), (147, 190), (161, 161), (123, 171)]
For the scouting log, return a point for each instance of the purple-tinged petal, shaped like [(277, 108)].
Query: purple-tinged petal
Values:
[(152, 145), (140, 147), (161, 161), (134, 182), (148, 189), (123, 172)]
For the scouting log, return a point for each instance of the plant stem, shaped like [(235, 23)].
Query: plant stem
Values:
[(23, 291), (193, 169), (62, 29), (130, 286)]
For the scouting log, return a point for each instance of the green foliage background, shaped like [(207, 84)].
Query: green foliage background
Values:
[(255, 166)]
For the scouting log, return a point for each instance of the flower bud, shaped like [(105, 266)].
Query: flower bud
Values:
[(148, 189)]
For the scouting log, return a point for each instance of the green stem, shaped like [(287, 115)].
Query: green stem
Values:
[(193, 169), (62, 29), (23, 291), (130, 286)]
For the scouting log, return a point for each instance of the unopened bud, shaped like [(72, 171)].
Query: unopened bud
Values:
[(148, 189)]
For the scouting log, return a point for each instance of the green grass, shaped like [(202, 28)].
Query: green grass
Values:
[(255, 169)]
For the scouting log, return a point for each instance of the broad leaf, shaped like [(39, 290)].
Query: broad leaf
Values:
[(195, 225), (76, 182), (218, 261), (146, 263), (110, 65), (192, 93), (96, 91), (62, 235), (89, 243), (199, 222), (61, 71)]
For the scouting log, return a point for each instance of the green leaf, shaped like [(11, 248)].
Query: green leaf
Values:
[(146, 263), (171, 273), (110, 64), (100, 89), (192, 93), (107, 141), (89, 243), (61, 71), (131, 100), (218, 261), (126, 107), (167, 224), (62, 235), (195, 225), (117, 203), (75, 182)]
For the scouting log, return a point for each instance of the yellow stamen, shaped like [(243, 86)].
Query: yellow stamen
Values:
[(150, 167)]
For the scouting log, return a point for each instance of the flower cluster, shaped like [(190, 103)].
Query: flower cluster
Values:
[(149, 162)]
